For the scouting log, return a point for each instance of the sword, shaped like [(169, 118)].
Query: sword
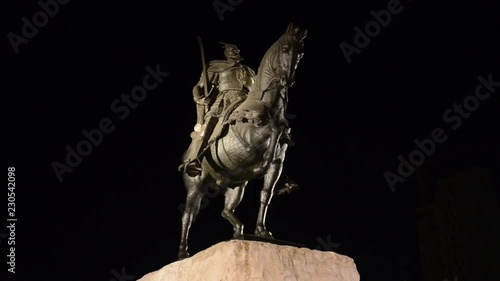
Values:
[(203, 109), (205, 76)]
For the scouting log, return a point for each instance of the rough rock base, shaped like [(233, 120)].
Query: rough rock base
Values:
[(240, 260)]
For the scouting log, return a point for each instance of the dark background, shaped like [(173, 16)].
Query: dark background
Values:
[(120, 207)]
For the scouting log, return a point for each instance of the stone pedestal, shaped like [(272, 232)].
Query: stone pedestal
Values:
[(240, 260)]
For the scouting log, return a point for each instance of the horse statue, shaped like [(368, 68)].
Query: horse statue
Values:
[(251, 145)]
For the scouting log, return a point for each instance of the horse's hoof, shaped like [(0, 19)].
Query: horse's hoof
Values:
[(282, 191), (238, 236), (287, 188), (183, 255), (265, 234)]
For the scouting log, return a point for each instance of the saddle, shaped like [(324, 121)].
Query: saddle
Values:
[(221, 125)]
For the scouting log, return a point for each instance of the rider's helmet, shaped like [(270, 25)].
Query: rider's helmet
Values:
[(231, 52)]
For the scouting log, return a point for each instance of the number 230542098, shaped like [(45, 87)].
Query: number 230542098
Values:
[(11, 186)]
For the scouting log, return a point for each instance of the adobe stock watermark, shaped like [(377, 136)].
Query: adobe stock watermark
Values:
[(327, 245), (222, 6), (205, 200), (30, 27), (2, 236), (453, 116), (121, 107), (121, 276), (372, 29), (289, 116)]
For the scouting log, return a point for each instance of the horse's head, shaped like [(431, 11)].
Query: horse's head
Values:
[(290, 49)]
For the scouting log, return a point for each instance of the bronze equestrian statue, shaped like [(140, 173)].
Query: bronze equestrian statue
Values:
[(250, 135)]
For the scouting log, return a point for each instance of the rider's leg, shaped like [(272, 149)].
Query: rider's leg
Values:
[(193, 165)]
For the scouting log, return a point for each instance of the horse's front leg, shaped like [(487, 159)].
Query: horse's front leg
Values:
[(270, 179)]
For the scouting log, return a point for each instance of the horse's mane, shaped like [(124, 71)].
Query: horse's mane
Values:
[(265, 73)]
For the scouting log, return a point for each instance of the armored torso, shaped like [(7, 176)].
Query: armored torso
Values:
[(232, 76)]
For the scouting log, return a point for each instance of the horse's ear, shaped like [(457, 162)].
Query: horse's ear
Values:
[(289, 29)]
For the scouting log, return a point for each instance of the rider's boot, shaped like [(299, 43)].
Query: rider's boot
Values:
[(192, 165)]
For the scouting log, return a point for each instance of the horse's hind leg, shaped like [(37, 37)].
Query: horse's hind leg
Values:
[(233, 197), (193, 200)]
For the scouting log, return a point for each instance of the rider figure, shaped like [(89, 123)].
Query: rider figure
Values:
[(231, 80)]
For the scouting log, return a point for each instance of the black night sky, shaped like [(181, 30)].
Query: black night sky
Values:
[(119, 207)]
